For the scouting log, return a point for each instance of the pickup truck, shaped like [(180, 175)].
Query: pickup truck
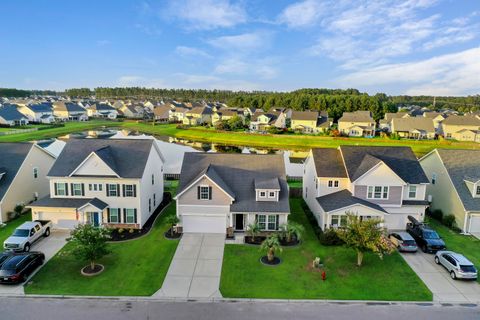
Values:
[(26, 234), (427, 239)]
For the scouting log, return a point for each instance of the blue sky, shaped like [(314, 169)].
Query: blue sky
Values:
[(392, 46)]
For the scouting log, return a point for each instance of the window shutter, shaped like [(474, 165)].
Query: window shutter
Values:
[(135, 215), (198, 192), (108, 215), (123, 190), (119, 215), (276, 222), (55, 187), (118, 190), (66, 189), (135, 190), (71, 188), (209, 193), (108, 189), (124, 215), (83, 189)]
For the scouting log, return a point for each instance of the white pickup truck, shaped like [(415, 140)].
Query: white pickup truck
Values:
[(26, 234)]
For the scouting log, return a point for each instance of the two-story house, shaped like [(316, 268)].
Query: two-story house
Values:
[(381, 182), (111, 182), (69, 111), (385, 124), (23, 170), (462, 128), (455, 185), (102, 110), (224, 114), (38, 112), (357, 124), (310, 121), (198, 116), (413, 127), (219, 191)]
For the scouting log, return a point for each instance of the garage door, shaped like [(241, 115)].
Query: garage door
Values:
[(398, 221), (204, 223), (59, 220), (475, 224)]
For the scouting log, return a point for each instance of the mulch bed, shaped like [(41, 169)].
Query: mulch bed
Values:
[(172, 235), (88, 271), (258, 240), (285, 243), (274, 262), (129, 234)]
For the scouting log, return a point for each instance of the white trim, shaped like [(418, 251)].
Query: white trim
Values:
[(194, 182), (382, 192), (353, 205), (85, 160), (376, 166), (196, 205)]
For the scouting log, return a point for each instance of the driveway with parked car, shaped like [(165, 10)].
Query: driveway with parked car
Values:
[(49, 246)]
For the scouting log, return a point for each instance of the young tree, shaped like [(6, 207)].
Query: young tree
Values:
[(365, 236), (271, 244), (253, 229), (292, 228), (172, 220), (90, 243)]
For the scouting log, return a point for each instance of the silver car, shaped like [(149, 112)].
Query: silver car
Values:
[(456, 264), (404, 241)]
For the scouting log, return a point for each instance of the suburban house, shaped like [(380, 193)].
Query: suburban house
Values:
[(219, 191), (102, 110), (462, 128), (413, 127), (23, 170), (177, 114), (130, 111), (357, 124), (455, 185), (10, 116), (310, 121), (382, 182), (386, 123), (112, 182), (162, 113), (69, 111), (224, 114), (437, 118), (38, 112), (198, 116), (261, 121)]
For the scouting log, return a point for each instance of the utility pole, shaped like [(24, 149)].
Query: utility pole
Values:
[(434, 99)]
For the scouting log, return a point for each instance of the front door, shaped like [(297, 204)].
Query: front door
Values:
[(239, 222), (93, 218)]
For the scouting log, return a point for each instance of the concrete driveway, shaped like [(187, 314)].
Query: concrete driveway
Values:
[(196, 267), (49, 246), (438, 280)]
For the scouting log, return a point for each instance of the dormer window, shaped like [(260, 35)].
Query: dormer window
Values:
[(477, 191), (271, 194), (263, 194)]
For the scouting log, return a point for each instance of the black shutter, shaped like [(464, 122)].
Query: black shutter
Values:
[(124, 215), (209, 193), (198, 192), (119, 215), (108, 215), (123, 190), (118, 190), (66, 189), (107, 189), (83, 189), (135, 190), (55, 187), (71, 188), (276, 222), (135, 215)]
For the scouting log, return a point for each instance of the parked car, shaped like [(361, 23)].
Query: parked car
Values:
[(456, 264), (427, 239), (26, 234), (404, 241), (18, 267), (4, 256)]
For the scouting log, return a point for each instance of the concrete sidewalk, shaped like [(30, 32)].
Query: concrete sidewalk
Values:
[(438, 280), (196, 268)]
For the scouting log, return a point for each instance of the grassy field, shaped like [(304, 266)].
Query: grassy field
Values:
[(469, 246), (243, 276), (6, 231), (134, 268)]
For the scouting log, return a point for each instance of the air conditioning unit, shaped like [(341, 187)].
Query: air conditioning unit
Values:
[(429, 198)]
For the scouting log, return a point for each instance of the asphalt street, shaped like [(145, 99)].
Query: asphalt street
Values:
[(21, 308)]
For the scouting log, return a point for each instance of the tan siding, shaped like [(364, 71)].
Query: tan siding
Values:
[(219, 197)]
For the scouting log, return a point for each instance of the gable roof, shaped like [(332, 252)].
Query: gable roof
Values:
[(11, 159), (413, 123), (401, 160), (328, 163), (462, 120), (162, 111), (68, 106), (41, 107), (101, 107), (267, 183), (343, 199), (236, 175), (10, 113), (357, 116), (462, 165), (305, 115), (126, 157)]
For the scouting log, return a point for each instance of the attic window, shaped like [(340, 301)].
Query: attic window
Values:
[(478, 191)]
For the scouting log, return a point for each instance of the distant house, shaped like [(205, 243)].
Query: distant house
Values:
[(310, 121), (437, 118), (23, 170), (414, 127), (129, 111), (10, 116), (261, 121), (225, 115), (177, 113), (386, 123), (462, 128), (162, 113), (198, 116), (38, 112), (357, 124), (118, 104), (69, 111), (102, 110)]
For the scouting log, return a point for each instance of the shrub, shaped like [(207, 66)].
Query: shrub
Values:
[(120, 231), (312, 220), (449, 220), (437, 214), (330, 237)]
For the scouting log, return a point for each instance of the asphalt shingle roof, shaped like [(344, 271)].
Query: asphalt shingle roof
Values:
[(41, 107), (12, 156), (413, 123), (342, 199), (239, 172), (126, 157), (60, 202), (329, 163), (10, 113)]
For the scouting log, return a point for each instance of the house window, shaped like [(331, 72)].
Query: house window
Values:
[(263, 194), (434, 178), (153, 179), (35, 173), (272, 222), (339, 220), (61, 189), (114, 215), (130, 216), (333, 183), (377, 192), (112, 190), (77, 189), (271, 194), (94, 187), (129, 190), (204, 193), (412, 192), (267, 222), (478, 190), (154, 199), (149, 205)]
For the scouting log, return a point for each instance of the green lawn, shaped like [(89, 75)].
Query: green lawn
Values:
[(243, 276), (469, 246), (171, 186), (134, 268), (295, 184), (6, 231)]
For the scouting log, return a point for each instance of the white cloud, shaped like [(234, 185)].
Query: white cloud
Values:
[(261, 68), (206, 14), (449, 74), (140, 81), (232, 65), (243, 42), (190, 51), (196, 78), (301, 14)]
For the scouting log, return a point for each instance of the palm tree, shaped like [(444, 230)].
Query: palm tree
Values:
[(172, 221), (253, 229), (271, 244), (292, 228)]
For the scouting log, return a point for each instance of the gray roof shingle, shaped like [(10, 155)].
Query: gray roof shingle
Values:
[(329, 163), (60, 202), (11, 159), (10, 113), (239, 172), (342, 199)]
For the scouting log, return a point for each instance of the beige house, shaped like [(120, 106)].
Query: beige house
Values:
[(198, 116), (413, 127), (455, 185), (224, 114), (357, 124), (162, 113), (453, 127), (23, 170), (69, 111), (386, 122), (437, 117), (309, 121), (261, 121)]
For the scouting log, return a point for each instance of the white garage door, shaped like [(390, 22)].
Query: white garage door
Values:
[(398, 221), (59, 220), (475, 224), (204, 223)]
